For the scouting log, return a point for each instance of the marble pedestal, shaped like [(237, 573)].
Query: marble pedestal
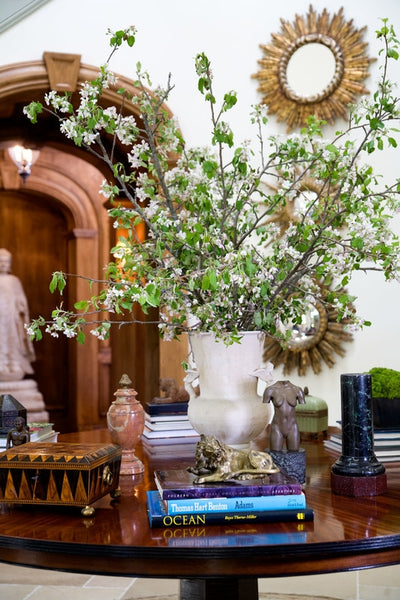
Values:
[(291, 462), (27, 393), (357, 472)]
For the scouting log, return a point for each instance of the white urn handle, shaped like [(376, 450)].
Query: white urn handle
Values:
[(191, 376)]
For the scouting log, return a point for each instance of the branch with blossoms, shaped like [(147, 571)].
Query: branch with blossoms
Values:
[(219, 254)]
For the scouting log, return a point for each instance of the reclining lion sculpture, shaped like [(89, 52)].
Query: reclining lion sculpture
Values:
[(216, 461)]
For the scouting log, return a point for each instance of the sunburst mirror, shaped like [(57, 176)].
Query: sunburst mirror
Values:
[(320, 335), (314, 342), (309, 195), (313, 66)]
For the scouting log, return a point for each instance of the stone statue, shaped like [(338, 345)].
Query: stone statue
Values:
[(19, 434), (284, 429), (16, 349), (216, 461)]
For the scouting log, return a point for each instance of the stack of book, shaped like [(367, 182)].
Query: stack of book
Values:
[(156, 407), (386, 444), (168, 423), (43, 432), (178, 501)]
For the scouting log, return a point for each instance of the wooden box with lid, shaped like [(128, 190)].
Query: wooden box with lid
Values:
[(59, 474)]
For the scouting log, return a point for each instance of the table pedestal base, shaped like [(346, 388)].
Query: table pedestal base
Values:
[(215, 589)]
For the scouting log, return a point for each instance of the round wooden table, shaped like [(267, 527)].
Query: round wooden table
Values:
[(213, 561)]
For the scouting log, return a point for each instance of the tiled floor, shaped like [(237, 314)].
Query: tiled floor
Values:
[(22, 583)]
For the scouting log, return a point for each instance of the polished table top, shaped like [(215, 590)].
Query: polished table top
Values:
[(347, 533)]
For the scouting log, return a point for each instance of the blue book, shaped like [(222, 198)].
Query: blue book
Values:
[(158, 516), (238, 504)]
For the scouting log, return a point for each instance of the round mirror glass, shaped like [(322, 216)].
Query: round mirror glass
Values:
[(303, 202), (310, 69), (308, 328)]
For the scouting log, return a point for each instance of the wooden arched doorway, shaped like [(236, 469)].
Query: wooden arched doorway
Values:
[(57, 220)]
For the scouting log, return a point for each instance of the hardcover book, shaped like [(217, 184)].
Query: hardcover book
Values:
[(170, 433), (179, 483), (166, 418), (380, 440), (168, 425), (238, 504), (167, 408), (382, 453), (158, 516)]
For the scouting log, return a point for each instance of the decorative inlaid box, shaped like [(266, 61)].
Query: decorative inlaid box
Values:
[(59, 473)]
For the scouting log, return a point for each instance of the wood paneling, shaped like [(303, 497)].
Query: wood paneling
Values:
[(57, 221), (34, 230)]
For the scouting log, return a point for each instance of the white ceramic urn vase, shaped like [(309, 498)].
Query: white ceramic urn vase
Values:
[(227, 405)]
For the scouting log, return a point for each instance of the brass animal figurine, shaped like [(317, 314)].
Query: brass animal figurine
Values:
[(284, 429), (216, 461)]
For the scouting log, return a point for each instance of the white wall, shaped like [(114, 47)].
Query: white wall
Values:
[(170, 34)]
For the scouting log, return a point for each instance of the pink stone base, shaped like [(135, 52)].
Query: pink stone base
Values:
[(358, 486), (130, 464)]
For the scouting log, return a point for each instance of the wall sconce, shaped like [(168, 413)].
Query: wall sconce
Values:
[(23, 158)]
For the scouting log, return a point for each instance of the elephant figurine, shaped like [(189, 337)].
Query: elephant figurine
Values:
[(284, 429)]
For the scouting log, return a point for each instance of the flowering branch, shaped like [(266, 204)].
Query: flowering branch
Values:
[(231, 244)]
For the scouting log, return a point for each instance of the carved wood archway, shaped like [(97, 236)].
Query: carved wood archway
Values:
[(71, 179)]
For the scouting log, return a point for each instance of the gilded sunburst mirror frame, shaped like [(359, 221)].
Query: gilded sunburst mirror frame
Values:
[(313, 350), (351, 68)]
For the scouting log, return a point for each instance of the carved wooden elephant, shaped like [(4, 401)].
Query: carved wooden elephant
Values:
[(284, 429)]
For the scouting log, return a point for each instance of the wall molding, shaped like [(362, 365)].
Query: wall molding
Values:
[(11, 12)]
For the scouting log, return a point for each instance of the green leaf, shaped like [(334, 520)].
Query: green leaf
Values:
[(250, 267), (392, 53), (230, 99), (57, 282), (82, 305), (357, 243), (205, 282), (332, 148), (210, 168), (80, 337), (376, 124), (153, 294), (258, 320), (32, 110), (38, 335), (213, 280)]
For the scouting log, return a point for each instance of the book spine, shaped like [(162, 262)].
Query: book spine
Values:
[(228, 518), (167, 425), (231, 492), (236, 504), (178, 408), (187, 433)]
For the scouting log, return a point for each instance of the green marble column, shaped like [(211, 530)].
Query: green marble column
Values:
[(357, 458)]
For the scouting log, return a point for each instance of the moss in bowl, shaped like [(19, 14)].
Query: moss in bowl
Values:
[(385, 397)]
